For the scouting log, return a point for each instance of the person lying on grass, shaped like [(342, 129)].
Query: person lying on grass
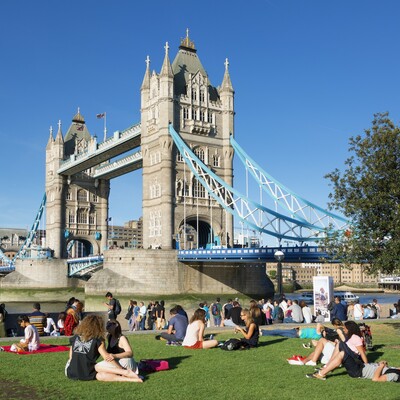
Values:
[(250, 332), (31, 340), (86, 346), (351, 354), (195, 331), (302, 333)]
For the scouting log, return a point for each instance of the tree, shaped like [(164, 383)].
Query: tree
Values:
[(368, 194)]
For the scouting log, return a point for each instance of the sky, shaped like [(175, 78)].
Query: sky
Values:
[(307, 76)]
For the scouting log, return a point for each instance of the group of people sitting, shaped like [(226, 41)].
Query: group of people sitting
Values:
[(91, 338), (343, 345)]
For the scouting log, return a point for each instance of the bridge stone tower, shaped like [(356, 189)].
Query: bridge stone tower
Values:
[(176, 208), (77, 206)]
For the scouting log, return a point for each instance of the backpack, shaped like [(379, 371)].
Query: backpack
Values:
[(214, 310), (280, 315), (117, 308), (331, 306), (231, 344)]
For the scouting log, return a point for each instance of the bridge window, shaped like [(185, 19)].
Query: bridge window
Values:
[(82, 195), (194, 113), (155, 223), (179, 157), (185, 113), (91, 219), (82, 217), (194, 94), (199, 153), (210, 117), (198, 189), (215, 160), (94, 198), (202, 95), (202, 116), (71, 218), (155, 189), (69, 195)]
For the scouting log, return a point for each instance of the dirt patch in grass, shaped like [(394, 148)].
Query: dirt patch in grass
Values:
[(15, 390)]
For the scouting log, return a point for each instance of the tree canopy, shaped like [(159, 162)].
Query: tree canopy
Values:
[(367, 192)]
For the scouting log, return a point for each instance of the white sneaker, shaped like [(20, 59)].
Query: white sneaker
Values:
[(311, 362), (295, 362)]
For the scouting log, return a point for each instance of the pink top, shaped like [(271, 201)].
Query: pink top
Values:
[(355, 341)]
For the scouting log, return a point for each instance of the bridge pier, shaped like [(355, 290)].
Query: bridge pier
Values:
[(148, 272)]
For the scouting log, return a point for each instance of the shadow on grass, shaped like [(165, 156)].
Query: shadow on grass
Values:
[(374, 356), (271, 342)]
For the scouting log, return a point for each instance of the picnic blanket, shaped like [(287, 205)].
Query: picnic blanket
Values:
[(43, 348)]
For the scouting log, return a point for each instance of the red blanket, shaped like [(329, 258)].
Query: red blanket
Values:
[(43, 348)]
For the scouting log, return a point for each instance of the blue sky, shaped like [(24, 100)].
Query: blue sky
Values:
[(307, 75)]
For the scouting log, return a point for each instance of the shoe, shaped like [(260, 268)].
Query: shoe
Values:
[(158, 337), (307, 345), (296, 360), (316, 376), (311, 362), (2, 349)]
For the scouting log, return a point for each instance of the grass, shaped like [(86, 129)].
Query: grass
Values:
[(261, 373)]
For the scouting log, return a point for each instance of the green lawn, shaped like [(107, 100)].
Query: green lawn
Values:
[(261, 373)]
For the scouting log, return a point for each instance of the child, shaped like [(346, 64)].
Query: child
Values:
[(31, 340)]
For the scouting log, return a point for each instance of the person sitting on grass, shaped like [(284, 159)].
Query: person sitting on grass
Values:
[(351, 354), (118, 348), (31, 339), (250, 332), (177, 327), (86, 346), (195, 331), (324, 347)]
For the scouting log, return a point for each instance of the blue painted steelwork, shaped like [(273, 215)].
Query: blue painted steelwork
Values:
[(298, 207), (253, 214), (32, 233), (253, 254), (84, 267)]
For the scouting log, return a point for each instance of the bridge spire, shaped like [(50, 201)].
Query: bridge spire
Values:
[(59, 137), (51, 138), (226, 82), (146, 78), (166, 69)]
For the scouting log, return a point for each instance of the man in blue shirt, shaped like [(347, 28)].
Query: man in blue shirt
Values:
[(177, 326), (339, 310)]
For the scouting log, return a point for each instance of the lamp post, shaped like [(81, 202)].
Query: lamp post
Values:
[(279, 256)]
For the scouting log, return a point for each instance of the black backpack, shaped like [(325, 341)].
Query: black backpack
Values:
[(117, 308), (280, 315), (231, 344)]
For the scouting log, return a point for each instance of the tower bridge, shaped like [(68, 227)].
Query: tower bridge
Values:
[(184, 144)]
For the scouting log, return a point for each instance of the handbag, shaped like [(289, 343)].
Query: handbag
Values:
[(152, 365)]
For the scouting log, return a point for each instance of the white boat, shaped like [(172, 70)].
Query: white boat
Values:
[(348, 297)]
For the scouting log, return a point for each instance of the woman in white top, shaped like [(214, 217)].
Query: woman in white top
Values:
[(195, 331), (358, 311), (306, 312)]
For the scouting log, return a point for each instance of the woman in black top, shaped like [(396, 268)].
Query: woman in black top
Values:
[(119, 348), (250, 332), (86, 347)]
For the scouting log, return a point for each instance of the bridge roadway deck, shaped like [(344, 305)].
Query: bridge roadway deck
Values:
[(266, 254), (116, 145)]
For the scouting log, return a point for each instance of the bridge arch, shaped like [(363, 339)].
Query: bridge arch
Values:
[(81, 246), (206, 235)]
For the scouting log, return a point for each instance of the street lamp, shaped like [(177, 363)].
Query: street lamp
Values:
[(279, 256)]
